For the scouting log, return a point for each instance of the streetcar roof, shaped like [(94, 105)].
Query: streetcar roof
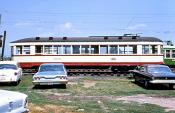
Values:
[(90, 39)]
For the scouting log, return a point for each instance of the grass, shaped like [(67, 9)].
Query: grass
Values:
[(94, 98)]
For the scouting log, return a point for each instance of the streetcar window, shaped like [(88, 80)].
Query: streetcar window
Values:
[(38, 49), (103, 49), (95, 49), (122, 49), (145, 49), (164, 53), (85, 49), (154, 49), (132, 49), (66, 49), (161, 49), (12, 50), (48, 49), (18, 50), (76, 49), (26, 49), (167, 53), (173, 53), (113, 49), (57, 49)]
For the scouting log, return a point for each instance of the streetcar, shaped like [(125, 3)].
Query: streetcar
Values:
[(169, 55), (88, 54)]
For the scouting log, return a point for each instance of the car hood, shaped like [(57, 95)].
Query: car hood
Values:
[(7, 71), (7, 96), (50, 73), (167, 74)]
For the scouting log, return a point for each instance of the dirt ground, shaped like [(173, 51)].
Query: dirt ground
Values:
[(48, 108), (167, 103), (89, 83)]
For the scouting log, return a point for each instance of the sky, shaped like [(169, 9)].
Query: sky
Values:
[(76, 18)]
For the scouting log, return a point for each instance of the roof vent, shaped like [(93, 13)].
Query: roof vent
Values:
[(37, 38), (64, 38), (120, 37), (50, 38), (106, 37)]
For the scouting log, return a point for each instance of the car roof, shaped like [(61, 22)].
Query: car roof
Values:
[(9, 62), (53, 64), (154, 65)]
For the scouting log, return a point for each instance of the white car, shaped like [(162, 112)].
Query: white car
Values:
[(51, 74), (10, 72), (13, 102)]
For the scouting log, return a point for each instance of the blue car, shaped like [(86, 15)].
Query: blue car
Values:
[(51, 74), (154, 74)]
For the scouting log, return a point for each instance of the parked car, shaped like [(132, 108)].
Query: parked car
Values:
[(10, 72), (154, 74), (51, 74), (13, 102)]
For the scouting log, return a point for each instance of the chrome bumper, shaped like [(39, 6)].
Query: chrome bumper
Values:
[(162, 81)]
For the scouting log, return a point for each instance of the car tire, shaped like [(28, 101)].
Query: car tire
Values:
[(64, 86), (16, 83), (136, 80)]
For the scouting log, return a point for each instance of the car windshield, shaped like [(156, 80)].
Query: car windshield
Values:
[(158, 70), (8, 66), (45, 68)]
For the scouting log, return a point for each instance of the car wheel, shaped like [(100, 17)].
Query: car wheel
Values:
[(64, 86), (146, 84), (17, 82), (136, 80)]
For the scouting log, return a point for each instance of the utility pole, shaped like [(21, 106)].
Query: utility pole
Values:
[(1, 38), (3, 46), (0, 19), (2, 41)]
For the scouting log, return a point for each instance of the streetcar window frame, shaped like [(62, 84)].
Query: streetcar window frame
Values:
[(85, 49), (113, 49), (161, 49), (173, 53), (122, 49), (66, 49), (145, 49), (154, 49), (38, 49), (104, 49), (57, 49), (48, 49), (94, 49), (18, 50), (12, 50), (132, 49), (76, 49), (167, 55), (26, 49)]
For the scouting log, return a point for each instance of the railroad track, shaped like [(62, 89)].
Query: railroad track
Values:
[(84, 72)]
